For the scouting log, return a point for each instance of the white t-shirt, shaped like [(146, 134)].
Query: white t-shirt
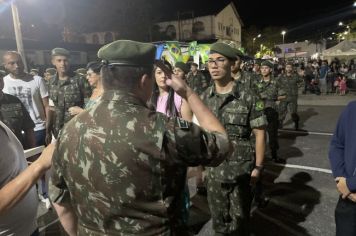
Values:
[(30, 91), (21, 219)]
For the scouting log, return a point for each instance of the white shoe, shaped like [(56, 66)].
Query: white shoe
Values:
[(41, 198), (48, 203)]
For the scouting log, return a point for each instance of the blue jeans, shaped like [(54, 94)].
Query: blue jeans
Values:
[(40, 137)]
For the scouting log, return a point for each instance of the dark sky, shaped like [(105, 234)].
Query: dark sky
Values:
[(301, 17)]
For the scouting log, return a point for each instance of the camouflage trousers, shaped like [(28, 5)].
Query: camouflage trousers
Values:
[(272, 129), (230, 205), (286, 106)]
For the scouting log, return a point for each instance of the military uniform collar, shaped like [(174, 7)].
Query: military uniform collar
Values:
[(123, 96), (234, 91)]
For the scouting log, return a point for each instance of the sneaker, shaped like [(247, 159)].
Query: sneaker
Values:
[(41, 198)]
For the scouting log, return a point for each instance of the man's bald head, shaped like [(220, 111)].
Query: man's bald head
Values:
[(13, 63)]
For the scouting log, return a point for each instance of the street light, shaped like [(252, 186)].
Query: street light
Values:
[(283, 33), (354, 5), (253, 41), (340, 23)]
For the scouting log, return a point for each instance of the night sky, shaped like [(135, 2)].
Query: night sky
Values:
[(301, 18)]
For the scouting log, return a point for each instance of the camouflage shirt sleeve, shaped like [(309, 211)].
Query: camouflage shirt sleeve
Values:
[(257, 117), (195, 146), (58, 191)]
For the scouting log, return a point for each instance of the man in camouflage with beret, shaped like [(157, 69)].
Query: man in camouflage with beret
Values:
[(229, 184), (270, 90), (15, 116), (291, 82), (65, 90), (48, 75), (242, 77), (119, 167), (196, 80)]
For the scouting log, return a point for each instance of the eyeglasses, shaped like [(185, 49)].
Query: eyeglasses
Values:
[(218, 61)]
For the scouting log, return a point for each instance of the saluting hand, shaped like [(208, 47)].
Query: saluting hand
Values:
[(179, 86)]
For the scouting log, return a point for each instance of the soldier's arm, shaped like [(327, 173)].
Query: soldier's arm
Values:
[(205, 117), (16, 189)]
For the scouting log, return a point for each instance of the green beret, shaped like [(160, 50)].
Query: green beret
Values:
[(127, 52), (181, 65), (238, 53), (223, 49), (51, 71), (2, 73), (81, 71), (267, 63), (60, 52)]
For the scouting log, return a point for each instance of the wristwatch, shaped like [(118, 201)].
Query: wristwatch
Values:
[(259, 168)]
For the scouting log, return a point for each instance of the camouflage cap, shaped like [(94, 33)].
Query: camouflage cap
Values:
[(81, 71), (181, 65), (257, 61), (238, 53), (194, 64), (127, 52), (51, 71), (60, 52), (290, 63), (223, 49), (267, 63)]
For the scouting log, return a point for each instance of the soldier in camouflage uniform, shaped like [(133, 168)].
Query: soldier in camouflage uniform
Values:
[(270, 90), (229, 184), (196, 80), (242, 77), (119, 167), (15, 116), (65, 90), (290, 82), (48, 75)]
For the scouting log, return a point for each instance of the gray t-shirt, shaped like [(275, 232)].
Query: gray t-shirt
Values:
[(21, 219), (30, 91)]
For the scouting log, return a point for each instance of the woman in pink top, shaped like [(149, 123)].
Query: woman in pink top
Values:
[(165, 100)]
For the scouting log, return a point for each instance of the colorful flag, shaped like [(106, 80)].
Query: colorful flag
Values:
[(204, 50), (192, 48), (174, 49)]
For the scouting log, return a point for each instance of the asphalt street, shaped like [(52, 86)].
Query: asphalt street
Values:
[(302, 192)]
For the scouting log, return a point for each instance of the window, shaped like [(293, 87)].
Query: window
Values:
[(198, 27), (171, 31)]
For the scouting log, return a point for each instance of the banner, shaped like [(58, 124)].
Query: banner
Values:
[(174, 50), (204, 50)]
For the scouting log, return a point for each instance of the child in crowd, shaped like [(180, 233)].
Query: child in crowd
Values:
[(342, 85)]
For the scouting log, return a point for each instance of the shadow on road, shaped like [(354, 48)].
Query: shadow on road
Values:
[(290, 204), (304, 116)]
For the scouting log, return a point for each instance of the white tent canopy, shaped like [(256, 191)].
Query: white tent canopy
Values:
[(345, 49)]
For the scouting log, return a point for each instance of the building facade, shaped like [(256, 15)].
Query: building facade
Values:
[(224, 25)]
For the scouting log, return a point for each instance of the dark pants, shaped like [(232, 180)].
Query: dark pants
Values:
[(272, 130), (40, 136), (345, 217), (36, 233)]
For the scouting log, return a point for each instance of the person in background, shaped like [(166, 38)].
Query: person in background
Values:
[(14, 114), (34, 72), (342, 156), (18, 200), (196, 79), (95, 81)]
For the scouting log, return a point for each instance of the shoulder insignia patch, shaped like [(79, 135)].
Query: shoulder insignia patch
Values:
[(259, 106)]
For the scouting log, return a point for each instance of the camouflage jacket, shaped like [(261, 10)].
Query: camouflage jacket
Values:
[(269, 91), (14, 115), (122, 167), (240, 112), (245, 78), (66, 94), (197, 82), (291, 84)]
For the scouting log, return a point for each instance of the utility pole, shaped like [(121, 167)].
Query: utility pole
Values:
[(18, 34)]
